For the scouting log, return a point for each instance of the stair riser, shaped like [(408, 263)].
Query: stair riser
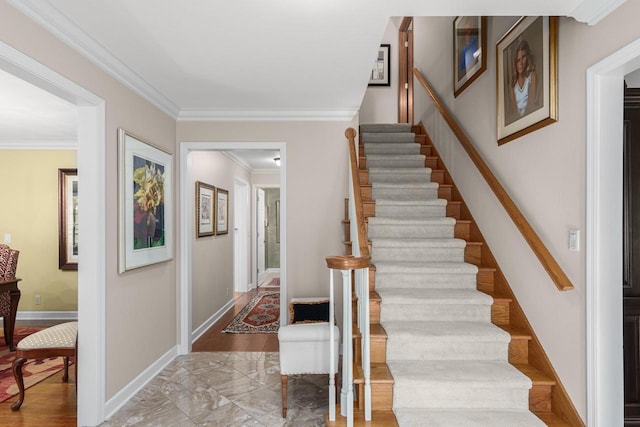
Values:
[(424, 281), (415, 211), (385, 128), (416, 254), (404, 194), (435, 312), (397, 231), (410, 162), (458, 395), (412, 349)]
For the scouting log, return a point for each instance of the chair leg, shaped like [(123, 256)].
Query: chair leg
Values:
[(65, 376), (284, 396), (17, 374)]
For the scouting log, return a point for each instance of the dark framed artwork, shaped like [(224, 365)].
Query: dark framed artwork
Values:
[(68, 219), (381, 71), (469, 50), (145, 197), (527, 77), (205, 209), (222, 211)]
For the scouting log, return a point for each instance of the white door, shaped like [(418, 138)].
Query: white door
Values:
[(260, 232), (240, 236)]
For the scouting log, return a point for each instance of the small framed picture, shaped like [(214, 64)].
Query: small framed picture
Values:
[(145, 195), (469, 51), (68, 219), (381, 72), (222, 211), (527, 64), (205, 209)]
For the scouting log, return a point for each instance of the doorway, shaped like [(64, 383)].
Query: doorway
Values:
[(240, 236), (91, 274), (604, 243), (267, 238), (187, 150)]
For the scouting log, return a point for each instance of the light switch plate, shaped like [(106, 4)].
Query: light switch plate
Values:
[(574, 239)]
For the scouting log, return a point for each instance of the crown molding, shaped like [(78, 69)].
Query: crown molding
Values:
[(593, 11), (244, 165), (39, 145), (229, 115), (47, 16)]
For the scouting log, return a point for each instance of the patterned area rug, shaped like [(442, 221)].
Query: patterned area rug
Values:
[(260, 316), (273, 283), (33, 371)]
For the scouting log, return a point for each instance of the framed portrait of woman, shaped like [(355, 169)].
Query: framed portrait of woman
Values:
[(527, 77)]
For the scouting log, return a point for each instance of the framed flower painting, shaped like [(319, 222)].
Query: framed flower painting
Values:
[(145, 197)]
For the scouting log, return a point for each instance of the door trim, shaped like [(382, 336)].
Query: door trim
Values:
[(604, 100)]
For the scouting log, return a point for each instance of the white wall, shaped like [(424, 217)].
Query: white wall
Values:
[(212, 256), (544, 172), (380, 103)]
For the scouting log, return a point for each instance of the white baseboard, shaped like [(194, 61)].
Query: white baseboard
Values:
[(47, 315), (210, 321), (273, 270), (127, 392)]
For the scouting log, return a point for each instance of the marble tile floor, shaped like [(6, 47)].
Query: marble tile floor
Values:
[(225, 389)]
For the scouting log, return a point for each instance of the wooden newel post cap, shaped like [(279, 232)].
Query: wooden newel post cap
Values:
[(350, 133), (347, 262)]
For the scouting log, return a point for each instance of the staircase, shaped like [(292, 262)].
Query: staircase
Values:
[(450, 345)]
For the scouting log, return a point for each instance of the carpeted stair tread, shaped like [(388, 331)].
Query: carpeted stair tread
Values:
[(473, 373), (387, 137), (405, 296), (374, 220), (442, 267), (427, 332), (400, 171), (467, 418), (408, 202), (391, 148), (385, 127), (399, 186), (418, 243)]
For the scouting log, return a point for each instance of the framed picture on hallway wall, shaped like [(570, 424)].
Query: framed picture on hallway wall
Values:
[(205, 209), (145, 199), (527, 77), (222, 211), (380, 73), (68, 219), (469, 50)]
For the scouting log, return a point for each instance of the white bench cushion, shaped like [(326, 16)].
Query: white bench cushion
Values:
[(62, 335)]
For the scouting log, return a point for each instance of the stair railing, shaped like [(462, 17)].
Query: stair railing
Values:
[(549, 263), (359, 262)]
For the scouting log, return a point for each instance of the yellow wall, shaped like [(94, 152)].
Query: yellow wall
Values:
[(29, 192)]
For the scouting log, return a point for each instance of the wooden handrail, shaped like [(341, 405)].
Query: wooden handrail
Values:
[(350, 133), (556, 273)]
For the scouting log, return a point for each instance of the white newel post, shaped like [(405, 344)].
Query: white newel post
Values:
[(345, 264)]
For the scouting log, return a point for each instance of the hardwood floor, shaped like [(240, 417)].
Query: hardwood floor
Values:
[(52, 403), (215, 340)]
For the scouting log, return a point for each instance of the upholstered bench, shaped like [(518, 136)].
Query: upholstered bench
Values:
[(56, 341), (304, 343)]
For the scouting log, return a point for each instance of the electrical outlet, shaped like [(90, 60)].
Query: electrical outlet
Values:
[(37, 300), (7, 238)]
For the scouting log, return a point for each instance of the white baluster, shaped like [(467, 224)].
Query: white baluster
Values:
[(332, 367)]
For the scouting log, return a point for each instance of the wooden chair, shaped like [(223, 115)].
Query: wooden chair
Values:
[(56, 341)]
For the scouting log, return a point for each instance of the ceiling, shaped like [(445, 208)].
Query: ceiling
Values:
[(235, 60)]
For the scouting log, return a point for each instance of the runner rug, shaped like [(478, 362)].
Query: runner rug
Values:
[(33, 371), (260, 316)]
